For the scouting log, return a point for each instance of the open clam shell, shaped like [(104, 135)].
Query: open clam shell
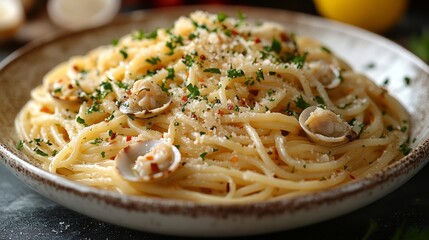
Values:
[(327, 74), (146, 161), (146, 100), (324, 127)]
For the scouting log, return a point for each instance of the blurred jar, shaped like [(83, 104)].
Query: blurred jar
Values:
[(82, 14), (11, 18), (374, 15)]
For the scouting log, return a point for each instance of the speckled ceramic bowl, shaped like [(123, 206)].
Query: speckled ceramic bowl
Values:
[(23, 70)]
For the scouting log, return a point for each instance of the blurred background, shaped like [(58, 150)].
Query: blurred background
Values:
[(21, 21)]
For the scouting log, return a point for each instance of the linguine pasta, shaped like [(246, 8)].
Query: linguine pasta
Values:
[(256, 113)]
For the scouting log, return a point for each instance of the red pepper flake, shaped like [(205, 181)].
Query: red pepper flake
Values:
[(201, 79), (70, 86), (284, 37), (193, 115), (220, 112), (113, 136), (234, 32), (129, 138), (229, 106), (45, 110), (154, 167), (150, 157), (203, 57), (75, 68), (243, 102), (185, 98), (257, 40), (352, 177)]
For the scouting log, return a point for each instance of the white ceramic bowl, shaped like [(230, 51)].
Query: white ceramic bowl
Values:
[(23, 70)]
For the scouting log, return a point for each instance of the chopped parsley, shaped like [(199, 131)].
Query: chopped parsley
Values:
[(249, 82), (325, 49), (170, 74), (20, 145), (234, 73), (115, 42), (57, 90), (259, 75), (299, 60), (40, 152), (163, 87), (153, 60), (188, 61), (122, 85), (212, 70), (370, 65), (96, 141), (193, 91), (386, 82), (405, 148), (81, 121), (110, 118), (221, 17), (95, 107), (203, 155), (103, 154), (407, 80), (320, 101), (151, 35), (173, 43), (275, 46), (241, 16), (123, 53), (301, 103), (140, 35)]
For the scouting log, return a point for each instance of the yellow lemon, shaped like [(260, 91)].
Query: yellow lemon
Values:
[(374, 15)]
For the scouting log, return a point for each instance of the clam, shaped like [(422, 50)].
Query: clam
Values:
[(325, 127), (327, 74), (146, 100), (147, 161), (64, 89)]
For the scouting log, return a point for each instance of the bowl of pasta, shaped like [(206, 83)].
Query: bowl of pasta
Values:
[(214, 122)]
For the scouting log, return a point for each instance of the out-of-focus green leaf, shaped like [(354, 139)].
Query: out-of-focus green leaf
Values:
[(420, 45)]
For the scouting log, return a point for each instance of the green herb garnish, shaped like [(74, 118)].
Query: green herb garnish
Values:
[(193, 91), (212, 70), (153, 60), (221, 17), (81, 121), (301, 103), (234, 73), (20, 145), (123, 53)]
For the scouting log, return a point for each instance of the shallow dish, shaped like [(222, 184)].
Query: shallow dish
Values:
[(23, 70)]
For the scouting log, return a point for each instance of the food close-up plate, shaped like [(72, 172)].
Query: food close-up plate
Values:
[(378, 58)]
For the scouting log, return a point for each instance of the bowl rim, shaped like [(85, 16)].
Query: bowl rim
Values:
[(413, 161)]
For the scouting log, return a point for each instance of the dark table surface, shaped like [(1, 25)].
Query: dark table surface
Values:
[(24, 214)]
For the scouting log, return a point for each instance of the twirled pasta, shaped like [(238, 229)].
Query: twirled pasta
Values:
[(236, 90)]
